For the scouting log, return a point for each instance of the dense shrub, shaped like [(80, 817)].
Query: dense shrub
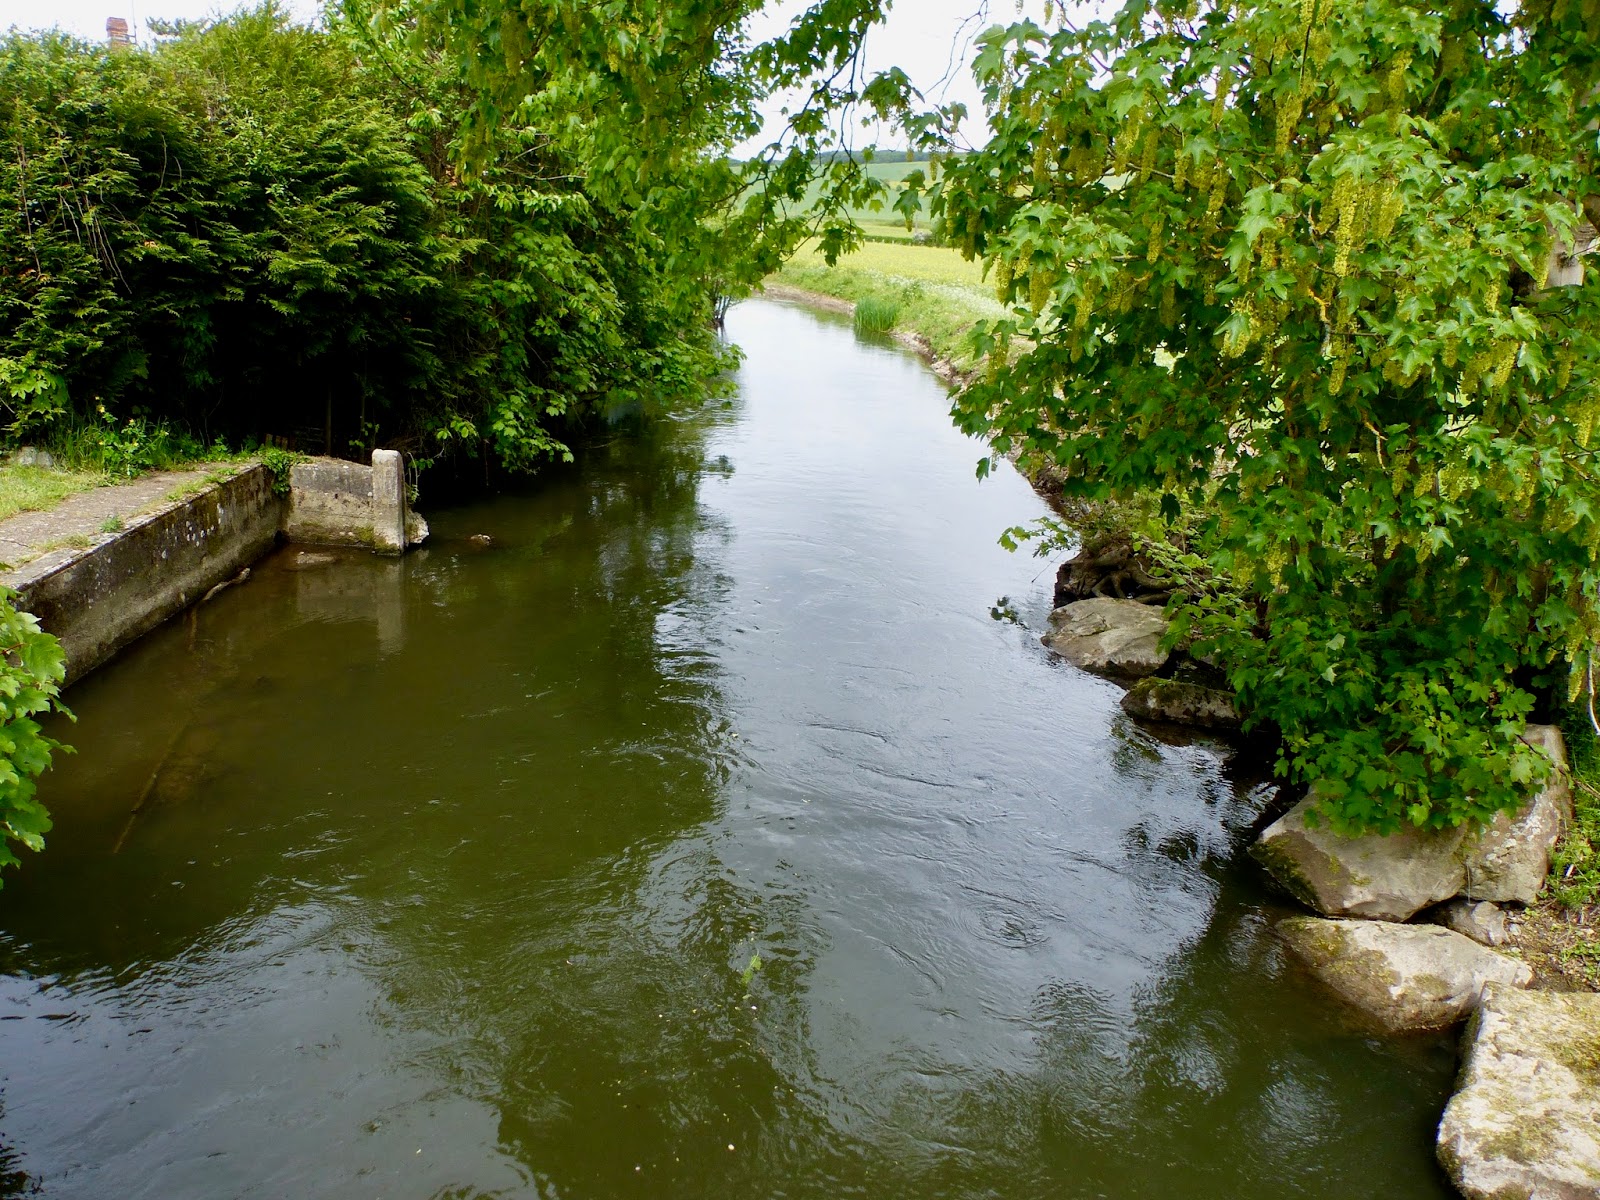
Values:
[(255, 229)]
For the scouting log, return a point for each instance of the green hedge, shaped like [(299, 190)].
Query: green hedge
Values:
[(254, 229)]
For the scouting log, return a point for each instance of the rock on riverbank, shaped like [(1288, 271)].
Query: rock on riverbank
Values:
[(1183, 704), (1391, 878), (1115, 637), (1525, 1123), (1407, 978), (1481, 920)]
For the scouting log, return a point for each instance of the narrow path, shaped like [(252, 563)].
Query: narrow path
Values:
[(81, 520)]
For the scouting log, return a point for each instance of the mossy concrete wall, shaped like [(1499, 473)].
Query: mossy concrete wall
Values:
[(330, 503), (98, 600), (337, 503)]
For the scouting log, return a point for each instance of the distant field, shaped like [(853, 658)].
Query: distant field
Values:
[(884, 221), (932, 264), (938, 293)]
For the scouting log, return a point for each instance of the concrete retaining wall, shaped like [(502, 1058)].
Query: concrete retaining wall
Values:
[(337, 503), (96, 601), (330, 503)]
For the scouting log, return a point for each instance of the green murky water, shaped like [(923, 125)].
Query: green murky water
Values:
[(440, 878)]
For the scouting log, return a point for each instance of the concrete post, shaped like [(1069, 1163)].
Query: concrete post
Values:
[(388, 502)]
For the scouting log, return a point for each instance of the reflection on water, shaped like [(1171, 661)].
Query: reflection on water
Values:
[(441, 877)]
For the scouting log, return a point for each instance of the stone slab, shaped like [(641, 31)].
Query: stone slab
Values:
[(1524, 1123), (1113, 637), (1406, 978)]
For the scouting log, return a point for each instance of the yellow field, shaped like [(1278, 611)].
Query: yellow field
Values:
[(937, 292), (930, 264)]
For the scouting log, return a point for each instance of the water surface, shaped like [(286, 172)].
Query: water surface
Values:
[(443, 878)]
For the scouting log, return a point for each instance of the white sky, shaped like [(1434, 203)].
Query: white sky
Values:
[(920, 36), (87, 18), (931, 40)]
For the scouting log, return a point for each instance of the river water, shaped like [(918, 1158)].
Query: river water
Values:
[(444, 878)]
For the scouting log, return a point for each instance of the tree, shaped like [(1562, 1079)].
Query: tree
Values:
[(1290, 265), (255, 228)]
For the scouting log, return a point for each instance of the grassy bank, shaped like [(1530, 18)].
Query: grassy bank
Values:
[(1575, 877), (930, 290), (91, 454), (35, 489)]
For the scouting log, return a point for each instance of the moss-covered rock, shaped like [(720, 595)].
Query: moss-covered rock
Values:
[(1384, 878), (1509, 861), (1392, 878), (1404, 977), (1526, 1120), (1181, 703)]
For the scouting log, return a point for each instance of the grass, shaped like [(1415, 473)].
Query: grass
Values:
[(1575, 866), (76, 541), (112, 524), (35, 489), (875, 314), (90, 455), (940, 265), (937, 293)]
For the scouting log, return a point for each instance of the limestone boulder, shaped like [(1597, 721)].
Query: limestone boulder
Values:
[(1509, 861), (1526, 1120), (1181, 704), (1113, 637), (416, 529), (1383, 878), (31, 456), (1392, 878), (1481, 920), (1407, 978)]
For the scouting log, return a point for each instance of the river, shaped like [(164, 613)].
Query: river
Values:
[(444, 878)]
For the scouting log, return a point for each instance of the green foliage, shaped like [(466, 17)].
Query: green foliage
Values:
[(32, 395), (255, 229), (31, 670), (132, 447), (875, 314), (747, 976), (1285, 266), (280, 463)]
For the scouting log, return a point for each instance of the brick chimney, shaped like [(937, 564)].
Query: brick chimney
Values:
[(117, 33)]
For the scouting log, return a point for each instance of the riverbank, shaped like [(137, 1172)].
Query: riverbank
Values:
[(938, 295), (1560, 934), (1432, 974)]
